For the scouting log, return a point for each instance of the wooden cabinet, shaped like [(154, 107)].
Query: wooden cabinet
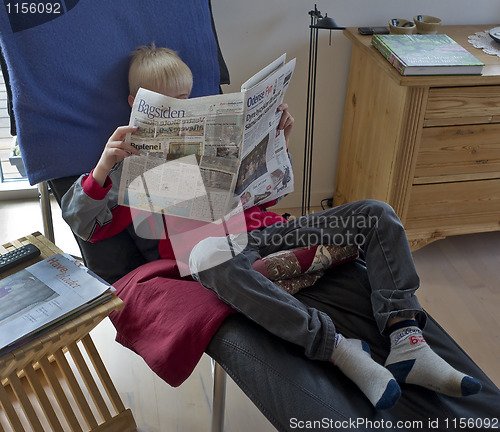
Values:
[(427, 145)]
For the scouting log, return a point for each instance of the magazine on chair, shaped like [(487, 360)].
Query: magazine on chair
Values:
[(45, 295)]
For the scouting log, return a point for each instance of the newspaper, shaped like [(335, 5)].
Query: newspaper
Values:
[(206, 158), (44, 295)]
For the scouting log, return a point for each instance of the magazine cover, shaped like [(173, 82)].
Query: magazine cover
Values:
[(44, 294)]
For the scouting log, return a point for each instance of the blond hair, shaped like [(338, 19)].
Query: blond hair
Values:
[(158, 69)]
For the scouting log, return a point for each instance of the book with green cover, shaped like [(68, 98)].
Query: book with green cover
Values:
[(429, 54)]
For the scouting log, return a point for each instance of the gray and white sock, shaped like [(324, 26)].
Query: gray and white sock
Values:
[(352, 357), (412, 361)]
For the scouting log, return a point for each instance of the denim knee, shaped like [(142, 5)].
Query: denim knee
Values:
[(381, 211), (379, 208)]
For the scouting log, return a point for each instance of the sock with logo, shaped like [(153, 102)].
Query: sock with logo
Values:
[(352, 357), (412, 361)]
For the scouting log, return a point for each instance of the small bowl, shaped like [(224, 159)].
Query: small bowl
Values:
[(427, 24), (401, 26), (495, 34)]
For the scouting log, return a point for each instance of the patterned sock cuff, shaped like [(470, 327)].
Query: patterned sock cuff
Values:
[(402, 324)]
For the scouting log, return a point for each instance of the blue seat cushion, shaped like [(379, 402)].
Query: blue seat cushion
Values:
[(68, 72)]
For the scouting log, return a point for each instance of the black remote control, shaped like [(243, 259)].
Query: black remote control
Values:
[(18, 256)]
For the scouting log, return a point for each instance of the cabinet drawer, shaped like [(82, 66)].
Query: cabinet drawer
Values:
[(447, 205), (454, 153), (462, 105)]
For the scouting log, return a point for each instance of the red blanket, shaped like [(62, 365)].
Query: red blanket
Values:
[(169, 321), (166, 320)]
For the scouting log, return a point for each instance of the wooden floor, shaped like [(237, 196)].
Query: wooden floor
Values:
[(459, 286)]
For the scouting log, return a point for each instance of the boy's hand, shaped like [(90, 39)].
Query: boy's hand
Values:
[(115, 151), (286, 122)]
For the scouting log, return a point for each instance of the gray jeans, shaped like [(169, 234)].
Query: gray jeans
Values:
[(370, 224)]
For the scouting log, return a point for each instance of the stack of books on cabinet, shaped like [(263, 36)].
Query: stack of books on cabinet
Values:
[(431, 54)]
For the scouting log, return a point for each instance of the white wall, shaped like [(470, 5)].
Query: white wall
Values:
[(253, 33)]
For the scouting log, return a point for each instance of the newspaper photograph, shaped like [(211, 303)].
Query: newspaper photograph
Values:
[(206, 157)]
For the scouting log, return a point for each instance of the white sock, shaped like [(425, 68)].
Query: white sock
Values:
[(352, 357), (412, 361)]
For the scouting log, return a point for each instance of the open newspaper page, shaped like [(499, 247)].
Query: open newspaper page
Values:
[(190, 152), (265, 171), (43, 295), (210, 157)]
